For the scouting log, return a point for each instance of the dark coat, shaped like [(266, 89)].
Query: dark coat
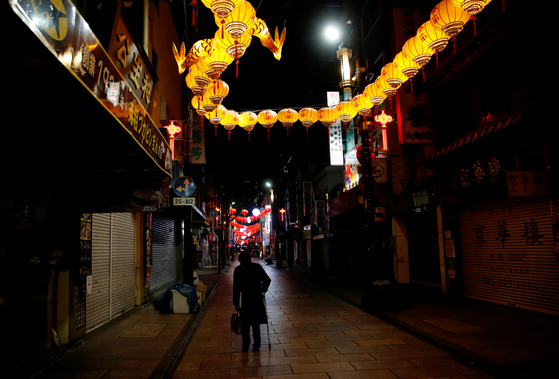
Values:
[(250, 280)]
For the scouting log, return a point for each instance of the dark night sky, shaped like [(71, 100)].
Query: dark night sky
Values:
[(307, 70)]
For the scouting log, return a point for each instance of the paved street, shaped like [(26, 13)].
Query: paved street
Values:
[(313, 334)]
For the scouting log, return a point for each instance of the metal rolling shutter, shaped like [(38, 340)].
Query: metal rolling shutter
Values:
[(164, 267), (97, 302), (122, 263), (511, 263), (113, 271)]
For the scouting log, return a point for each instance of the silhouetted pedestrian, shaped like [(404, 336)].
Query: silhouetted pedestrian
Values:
[(250, 282)]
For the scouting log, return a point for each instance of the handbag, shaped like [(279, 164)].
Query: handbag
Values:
[(236, 325)]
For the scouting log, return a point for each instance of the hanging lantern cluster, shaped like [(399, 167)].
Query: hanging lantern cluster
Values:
[(244, 227), (237, 24)]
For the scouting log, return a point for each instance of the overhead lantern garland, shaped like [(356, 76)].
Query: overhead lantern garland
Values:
[(308, 116), (448, 18), (327, 116), (288, 117), (267, 119), (432, 37), (208, 58), (346, 112), (247, 120), (229, 120), (216, 116)]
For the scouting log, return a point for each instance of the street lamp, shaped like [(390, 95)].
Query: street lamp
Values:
[(344, 54)]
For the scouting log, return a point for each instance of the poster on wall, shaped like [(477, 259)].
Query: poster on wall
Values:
[(350, 170)]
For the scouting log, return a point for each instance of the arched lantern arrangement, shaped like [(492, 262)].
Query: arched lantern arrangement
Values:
[(417, 52), (448, 18), (229, 120), (267, 119), (374, 94), (288, 117), (327, 116), (432, 37), (408, 67), (217, 92), (247, 120), (234, 47), (308, 116)]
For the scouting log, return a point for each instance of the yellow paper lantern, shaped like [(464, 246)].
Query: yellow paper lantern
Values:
[(229, 120), (374, 94), (267, 119), (393, 76), (218, 62), (346, 111), (216, 115), (471, 7), (217, 91), (193, 85), (247, 120), (288, 117), (239, 20), (327, 116), (385, 87), (362, 104), (197, 105), (406, 65), (222, 8), (235, 47), (432, 37), (448, 18), (417, 52), (308, 116), (202, 80)]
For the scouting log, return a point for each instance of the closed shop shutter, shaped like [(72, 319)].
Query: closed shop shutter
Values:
[(164, 268), (97, 302), (423, 247), (508, 256), (113, 268), (122, 262)]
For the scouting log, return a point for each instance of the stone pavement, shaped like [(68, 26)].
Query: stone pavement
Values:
[(317, 330), (312, 334)]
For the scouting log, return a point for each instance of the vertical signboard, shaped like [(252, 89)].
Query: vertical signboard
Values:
[(335, 131), (198, 145), (351, 176)]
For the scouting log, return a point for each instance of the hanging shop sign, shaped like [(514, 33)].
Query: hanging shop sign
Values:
[(528, 183), (184, 186), (336, 144), (351, 175), (67, 35), (198, 145), (132, 62)]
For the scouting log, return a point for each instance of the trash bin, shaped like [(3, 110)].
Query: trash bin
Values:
[(179, 302)]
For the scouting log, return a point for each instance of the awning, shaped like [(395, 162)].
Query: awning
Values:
[(345, 202), (56, 117)]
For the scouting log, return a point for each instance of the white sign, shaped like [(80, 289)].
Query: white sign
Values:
[(336, 145), (333, 98), (184, 201)]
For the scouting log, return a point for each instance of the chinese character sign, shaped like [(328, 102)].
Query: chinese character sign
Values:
[(198, 145)]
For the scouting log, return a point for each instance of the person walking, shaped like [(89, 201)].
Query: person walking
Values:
[(250, 283)]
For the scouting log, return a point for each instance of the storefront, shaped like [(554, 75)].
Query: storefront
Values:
[(113, 256), (89, 145), (508, 253)]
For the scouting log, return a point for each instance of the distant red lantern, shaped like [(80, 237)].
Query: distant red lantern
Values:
[(359, 153), (244, 212)]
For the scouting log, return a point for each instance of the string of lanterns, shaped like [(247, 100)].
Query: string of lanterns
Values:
[(242, 231), (237, 23)]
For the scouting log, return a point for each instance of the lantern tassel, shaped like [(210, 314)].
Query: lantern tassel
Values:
[(237, 68), (193, 3), (222, 29), (423, 71), (307, 132), (228, 136), (248, 136), (411, 85), (474, 18), (454, 44), (287, 132), (268, 133)]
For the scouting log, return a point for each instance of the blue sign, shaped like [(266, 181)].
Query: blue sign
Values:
[(184, 186)]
